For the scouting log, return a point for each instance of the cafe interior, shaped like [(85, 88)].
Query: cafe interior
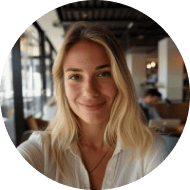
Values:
[(154, 61)]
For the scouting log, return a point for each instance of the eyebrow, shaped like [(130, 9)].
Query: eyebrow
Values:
[(97, 68), (103, 66)]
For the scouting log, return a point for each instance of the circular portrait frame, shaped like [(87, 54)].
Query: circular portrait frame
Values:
[(17, 16)]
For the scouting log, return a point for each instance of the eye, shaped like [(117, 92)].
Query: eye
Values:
[(105, 74), (75, 77)]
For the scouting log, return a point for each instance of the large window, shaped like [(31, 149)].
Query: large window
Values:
[(48, 67), (7, 99), (26, 82), (31, 75)]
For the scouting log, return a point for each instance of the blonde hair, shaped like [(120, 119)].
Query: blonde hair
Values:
[(51, 102), (125, 123)]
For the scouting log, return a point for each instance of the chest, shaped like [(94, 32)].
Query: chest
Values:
[(96, 164)]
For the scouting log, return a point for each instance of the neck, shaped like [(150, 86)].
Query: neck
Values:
[(91, 135)]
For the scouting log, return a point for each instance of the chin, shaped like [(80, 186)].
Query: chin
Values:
[(94, 120)]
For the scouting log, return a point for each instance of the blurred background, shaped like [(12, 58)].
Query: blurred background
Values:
[(153, 59)]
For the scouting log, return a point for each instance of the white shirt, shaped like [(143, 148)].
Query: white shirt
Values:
[(121, 170)]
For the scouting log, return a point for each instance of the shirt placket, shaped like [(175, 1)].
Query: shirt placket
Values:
[(82, 178), (109, 181)]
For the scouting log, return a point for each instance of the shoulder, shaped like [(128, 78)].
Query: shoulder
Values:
[(159, 144), (159, 149), (33, 149), (156, 155), (37, 139)]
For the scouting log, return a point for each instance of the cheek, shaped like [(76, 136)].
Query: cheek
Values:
[(70, 92), (110, 90), (154, 101)]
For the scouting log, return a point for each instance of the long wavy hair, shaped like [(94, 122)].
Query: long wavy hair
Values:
[(125, 123)]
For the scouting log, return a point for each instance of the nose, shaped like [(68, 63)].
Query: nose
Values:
[(90, 89)]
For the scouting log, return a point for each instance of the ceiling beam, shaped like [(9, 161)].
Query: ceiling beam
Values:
[(89, 9), (107, 22), (140, 31)]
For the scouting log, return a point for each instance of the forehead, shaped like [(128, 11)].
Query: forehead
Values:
[(84, 54)]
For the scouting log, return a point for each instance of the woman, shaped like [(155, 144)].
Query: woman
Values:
[(102, 142)]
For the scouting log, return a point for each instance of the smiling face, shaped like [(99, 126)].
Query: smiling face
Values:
[(89, 85)]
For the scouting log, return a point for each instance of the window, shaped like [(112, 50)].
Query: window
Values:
[(7, 98), (31, 75)]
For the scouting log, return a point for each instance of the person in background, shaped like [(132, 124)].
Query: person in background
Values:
[(148, 103)]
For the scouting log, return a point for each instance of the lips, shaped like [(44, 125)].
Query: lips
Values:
[(93, 106)]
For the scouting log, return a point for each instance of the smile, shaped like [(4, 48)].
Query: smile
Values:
[(92, 106)]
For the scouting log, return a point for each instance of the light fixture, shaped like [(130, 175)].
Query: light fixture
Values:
[(84, 15), (130, 25), (148, 66), (153, 64), (140, 37)]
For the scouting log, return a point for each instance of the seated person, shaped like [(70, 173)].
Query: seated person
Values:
[(97, 139), (148, 103)]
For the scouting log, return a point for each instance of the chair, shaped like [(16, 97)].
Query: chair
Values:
[(26, 135)]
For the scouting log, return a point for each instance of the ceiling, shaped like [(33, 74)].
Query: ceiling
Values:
[(132, 28)]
